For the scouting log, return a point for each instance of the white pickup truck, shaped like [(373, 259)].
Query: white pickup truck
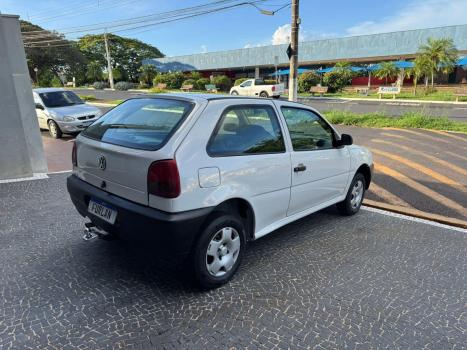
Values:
[(257, 87)]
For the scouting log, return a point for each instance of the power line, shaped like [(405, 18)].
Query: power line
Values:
[(175, 16), (139, 19), (84, 10)]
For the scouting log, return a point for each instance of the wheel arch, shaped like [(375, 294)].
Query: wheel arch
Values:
[(365, 170), (245, 211)]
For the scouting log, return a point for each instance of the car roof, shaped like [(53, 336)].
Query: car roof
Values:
[(48, 89), (198, 97)]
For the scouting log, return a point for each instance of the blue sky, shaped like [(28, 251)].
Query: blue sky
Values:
[(242, 26)]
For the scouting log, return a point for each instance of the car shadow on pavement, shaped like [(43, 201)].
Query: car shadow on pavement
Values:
[(135, 261)]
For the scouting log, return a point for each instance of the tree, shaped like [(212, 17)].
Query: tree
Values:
[(307, 80), (94, 71), (339, 78), (60, 57), (442, 55), (422, 68), (147, 73), (386, 70), (127, 54)]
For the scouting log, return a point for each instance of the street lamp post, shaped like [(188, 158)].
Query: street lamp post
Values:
[(35, 71), (294, 47)]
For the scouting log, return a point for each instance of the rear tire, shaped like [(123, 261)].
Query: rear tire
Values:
[(263, 94), (54, 130), (219, 251), (353, 201)]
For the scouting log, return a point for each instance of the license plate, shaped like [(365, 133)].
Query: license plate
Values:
[(102, 211)]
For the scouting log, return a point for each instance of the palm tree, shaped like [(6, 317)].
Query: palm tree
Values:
[(386, 70), (94, 71), (422, 68), (147, 73), (442, 55)]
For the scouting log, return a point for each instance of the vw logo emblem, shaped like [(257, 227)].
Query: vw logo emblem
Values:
[(102, 162)]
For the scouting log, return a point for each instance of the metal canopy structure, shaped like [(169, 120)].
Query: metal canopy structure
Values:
[(363, 48)]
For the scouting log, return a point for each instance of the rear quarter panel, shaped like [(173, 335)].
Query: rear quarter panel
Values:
[(262, 180)]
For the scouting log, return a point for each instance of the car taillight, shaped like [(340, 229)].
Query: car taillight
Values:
[(273, 88), (164, 179), (74, 159)]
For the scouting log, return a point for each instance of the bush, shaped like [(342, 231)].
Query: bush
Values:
[(123, 86), (337, 80), (143, 86), (240, 80), (222, 82), (195, 75), (45, 78), (190, 82), (173, 80), (99, 85), (56, 82), (307, 80), (156, 90), (201, 83), (270, 82)]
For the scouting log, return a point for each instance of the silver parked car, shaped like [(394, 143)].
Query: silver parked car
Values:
[(62, 111)]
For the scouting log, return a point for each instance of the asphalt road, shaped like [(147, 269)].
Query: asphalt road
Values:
[(370, 281), (391, 107)]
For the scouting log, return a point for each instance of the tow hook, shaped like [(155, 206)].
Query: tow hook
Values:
[(91, 231)]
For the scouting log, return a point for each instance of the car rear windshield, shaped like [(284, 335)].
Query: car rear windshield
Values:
[(60, 99), (143, 123)]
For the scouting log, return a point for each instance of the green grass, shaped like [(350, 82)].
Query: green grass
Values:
[(87, 97), (112, 102), (420, 95), (407, 120)]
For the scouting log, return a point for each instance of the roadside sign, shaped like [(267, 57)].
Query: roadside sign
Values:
[(391, 90), (289, 51)]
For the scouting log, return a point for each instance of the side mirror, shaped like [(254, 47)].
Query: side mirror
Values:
[(39, 106), (346, 140)]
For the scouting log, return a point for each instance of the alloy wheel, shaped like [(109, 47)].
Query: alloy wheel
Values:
[(223, 251)]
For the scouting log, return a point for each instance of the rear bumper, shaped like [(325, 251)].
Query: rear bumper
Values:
[(172, 232)]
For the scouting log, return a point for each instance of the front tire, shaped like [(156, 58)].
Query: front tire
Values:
[(234, 93), (353, 201), (54, 130), (219, 251)]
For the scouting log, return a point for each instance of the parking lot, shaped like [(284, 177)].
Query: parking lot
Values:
[(325, 282)]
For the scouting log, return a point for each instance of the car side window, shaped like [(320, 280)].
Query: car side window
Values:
[(246, 84), (244, 130), (308, 131)]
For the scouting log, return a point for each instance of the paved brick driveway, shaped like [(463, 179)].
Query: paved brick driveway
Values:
[(325, 282)]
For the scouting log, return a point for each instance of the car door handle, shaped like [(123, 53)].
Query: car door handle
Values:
[(299, 167)]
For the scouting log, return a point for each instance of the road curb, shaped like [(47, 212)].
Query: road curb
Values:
[(416, 213)]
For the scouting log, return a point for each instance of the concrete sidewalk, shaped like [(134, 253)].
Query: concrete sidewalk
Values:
[(373, 280)]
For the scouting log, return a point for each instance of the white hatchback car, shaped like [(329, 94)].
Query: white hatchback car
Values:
[(205, 174)]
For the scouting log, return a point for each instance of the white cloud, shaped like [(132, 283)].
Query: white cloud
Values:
[(283, 33), (416, 14), (204, 49)]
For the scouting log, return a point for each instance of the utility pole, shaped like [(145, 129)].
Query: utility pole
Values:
[(294, 57), (109, 64)]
